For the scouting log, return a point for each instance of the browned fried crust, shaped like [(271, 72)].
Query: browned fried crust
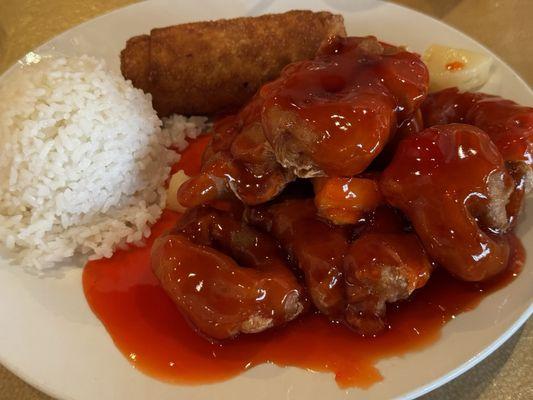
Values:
[(208, 67), (133, 61)]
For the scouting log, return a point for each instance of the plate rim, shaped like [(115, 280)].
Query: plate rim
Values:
[(471, 363)]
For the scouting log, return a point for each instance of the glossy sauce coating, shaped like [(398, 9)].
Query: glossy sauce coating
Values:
[(315, 247), (333, 115), (348, 283), (509, 125), (239, 162), (346, 200), (153, 335), (408, 127), (384, 264), (451, 182), (226, 277)]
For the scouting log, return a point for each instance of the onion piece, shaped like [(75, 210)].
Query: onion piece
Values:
[(176, 180), (449, 67)]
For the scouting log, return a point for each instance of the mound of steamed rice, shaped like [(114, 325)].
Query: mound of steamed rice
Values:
[(83, 161)]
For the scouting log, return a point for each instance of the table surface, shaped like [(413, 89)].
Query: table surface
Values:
[(503, 26)]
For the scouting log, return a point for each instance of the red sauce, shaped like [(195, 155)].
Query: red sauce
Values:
[(455, 66), (150, 331), (346, 200), (238, 153), (348, 100), (509, 125), (191, 159), (428, 173)]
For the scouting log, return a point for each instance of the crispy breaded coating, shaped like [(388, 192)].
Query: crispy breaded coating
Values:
[(208, 67), (133, 61)]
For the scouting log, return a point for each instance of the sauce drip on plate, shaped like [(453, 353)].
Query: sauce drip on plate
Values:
[(149, 330)]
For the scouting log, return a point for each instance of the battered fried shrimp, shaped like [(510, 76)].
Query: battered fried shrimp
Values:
[(316, 247), (381, 268), (239, 162), (331, 116), (350, 283), (207, 67), (226, 277), (210, 185), (383, 265), (509, 125), (451, 182), (346, 200)]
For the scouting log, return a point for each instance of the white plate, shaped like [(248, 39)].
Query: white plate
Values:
[(50, 338)]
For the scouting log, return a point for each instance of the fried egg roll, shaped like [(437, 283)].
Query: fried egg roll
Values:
[(204, 68)]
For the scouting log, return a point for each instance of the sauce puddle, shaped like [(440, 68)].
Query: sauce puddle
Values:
[(149, 330)]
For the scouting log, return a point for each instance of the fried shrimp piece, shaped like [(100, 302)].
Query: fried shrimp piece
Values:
[(239, 162), (350, 283), (509, 125), (331, 116), (346, 200), (204, 68), (382, 268), (226, 277), (452, 184), (316, 247), (383, 265)]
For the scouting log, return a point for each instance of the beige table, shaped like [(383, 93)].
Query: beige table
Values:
[(503, 26)]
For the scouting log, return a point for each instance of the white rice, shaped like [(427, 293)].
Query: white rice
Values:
[(83, 161), (179, 128)]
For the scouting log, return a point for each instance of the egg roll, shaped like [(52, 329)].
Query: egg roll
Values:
[(205, 68)]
